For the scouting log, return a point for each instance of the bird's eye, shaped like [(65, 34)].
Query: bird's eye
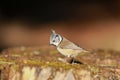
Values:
[(53, 40)]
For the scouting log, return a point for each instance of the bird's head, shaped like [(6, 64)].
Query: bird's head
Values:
[(55, 39)]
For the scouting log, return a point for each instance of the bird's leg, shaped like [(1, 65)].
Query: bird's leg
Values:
[(70, 60), (73, 61)]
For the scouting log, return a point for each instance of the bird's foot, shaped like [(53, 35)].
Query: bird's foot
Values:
[(73, 61), (69, 60)]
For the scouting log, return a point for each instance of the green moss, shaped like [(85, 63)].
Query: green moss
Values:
[(93, 69), (52, 64), (4, 61), (53, 52), (47, 58)]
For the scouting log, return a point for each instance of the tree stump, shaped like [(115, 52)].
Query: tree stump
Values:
[(41, 63)]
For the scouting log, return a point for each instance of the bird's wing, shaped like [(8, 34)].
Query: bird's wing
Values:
[(66, 44)]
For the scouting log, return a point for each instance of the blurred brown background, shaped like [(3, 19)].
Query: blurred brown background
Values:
[(91, 24)]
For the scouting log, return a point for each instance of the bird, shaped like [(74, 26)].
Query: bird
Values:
[(65, 46)]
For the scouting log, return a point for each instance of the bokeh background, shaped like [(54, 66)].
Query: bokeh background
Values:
[(92, 24)]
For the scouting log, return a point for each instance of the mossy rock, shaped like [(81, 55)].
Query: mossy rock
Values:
[(41, 63)]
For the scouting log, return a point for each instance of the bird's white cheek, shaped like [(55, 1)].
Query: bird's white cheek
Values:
[(56, 44)]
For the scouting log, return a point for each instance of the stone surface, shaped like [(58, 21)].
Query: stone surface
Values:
[(41, 63)]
